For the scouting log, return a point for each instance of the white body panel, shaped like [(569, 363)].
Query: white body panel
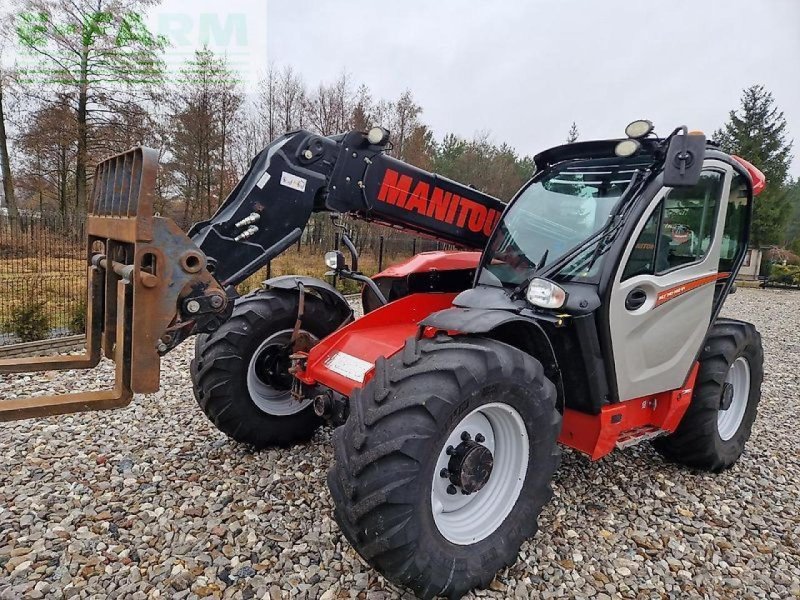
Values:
[(655, 345)]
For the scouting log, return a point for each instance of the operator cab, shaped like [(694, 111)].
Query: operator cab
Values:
[(621, 249)]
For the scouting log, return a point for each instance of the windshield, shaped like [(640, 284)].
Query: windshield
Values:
[(564, 207)]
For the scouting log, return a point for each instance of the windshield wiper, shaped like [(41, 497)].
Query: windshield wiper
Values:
[(530, 275), (543, 260), (619, 219)]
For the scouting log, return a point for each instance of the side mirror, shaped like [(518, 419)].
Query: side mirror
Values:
[(684, 160)]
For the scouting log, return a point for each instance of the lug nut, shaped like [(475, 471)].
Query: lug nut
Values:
[(479, 438), (465, 436), (193, 306), (451, 489), (444, 473), (450, 451), (217, 301)]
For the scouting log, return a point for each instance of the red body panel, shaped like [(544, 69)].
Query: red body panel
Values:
[(597, 435), (433, 261), (383, 332), (756, 176)]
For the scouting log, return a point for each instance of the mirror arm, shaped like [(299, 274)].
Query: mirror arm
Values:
[(353, 252), (366, 281), (682, 155)]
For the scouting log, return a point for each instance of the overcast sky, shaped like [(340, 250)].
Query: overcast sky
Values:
[(525, 70)]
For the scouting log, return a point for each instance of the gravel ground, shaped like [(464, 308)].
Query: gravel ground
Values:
[(152, 502)]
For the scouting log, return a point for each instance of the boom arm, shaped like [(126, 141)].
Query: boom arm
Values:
[(302, 173)]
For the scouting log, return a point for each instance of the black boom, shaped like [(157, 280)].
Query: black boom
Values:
[(302, 173)]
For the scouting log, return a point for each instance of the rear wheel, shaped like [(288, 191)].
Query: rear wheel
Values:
[(241, 372), (445, 463), (713, 433)]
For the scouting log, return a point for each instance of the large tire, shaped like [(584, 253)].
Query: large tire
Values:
[(708, 437), (250, 410), (388, 461)]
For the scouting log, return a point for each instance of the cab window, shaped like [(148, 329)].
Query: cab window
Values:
[(733, 234), (680, 229)]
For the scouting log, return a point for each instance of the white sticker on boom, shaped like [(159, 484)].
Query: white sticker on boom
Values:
[(263, 180), (348, 366), (293, 181)]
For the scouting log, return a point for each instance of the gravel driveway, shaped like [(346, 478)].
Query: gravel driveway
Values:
[(152, 502)]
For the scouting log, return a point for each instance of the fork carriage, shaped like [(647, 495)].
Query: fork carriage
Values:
[(138, 268)]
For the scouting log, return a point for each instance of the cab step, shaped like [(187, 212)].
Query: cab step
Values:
[(639, 435)]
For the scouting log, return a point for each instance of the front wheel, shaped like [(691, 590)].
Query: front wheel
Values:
[(445, 463)]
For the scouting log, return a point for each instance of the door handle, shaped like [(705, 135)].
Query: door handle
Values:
[(636, 299)]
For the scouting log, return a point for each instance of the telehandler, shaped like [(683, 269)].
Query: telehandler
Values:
[(584, 312)]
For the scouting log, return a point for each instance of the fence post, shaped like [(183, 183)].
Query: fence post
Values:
[(380, 255), (414, 247), (269, 270)]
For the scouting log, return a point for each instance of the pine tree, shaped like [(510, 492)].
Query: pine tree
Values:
[(573, 134), (757, 132), (792, 236)]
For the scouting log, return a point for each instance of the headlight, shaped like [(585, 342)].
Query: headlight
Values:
[(545, 294), (334, 260)]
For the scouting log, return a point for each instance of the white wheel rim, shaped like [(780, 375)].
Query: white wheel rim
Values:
[(465, 520), (728, 421), (275, 402)]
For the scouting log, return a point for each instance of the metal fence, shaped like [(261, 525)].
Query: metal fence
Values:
[(42, 277), (43, 268)]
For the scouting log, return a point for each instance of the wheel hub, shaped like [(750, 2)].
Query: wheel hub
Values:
[(272, 366), (479, 473), (269, 381), (470, 466), (734, 400), (727, 396)]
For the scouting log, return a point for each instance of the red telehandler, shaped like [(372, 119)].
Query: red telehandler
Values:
[(584, 312)]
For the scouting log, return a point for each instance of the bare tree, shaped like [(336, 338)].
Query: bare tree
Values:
[(48, 141), (406, 120), (5, 160), (291, 101), (362, 118), (207, 104), (267, 104), (98, 52)]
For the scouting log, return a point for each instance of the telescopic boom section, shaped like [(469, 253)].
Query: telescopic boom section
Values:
[(303, 173), (150, 286)]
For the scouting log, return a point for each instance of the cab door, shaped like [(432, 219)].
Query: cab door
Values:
[(663, 292)]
